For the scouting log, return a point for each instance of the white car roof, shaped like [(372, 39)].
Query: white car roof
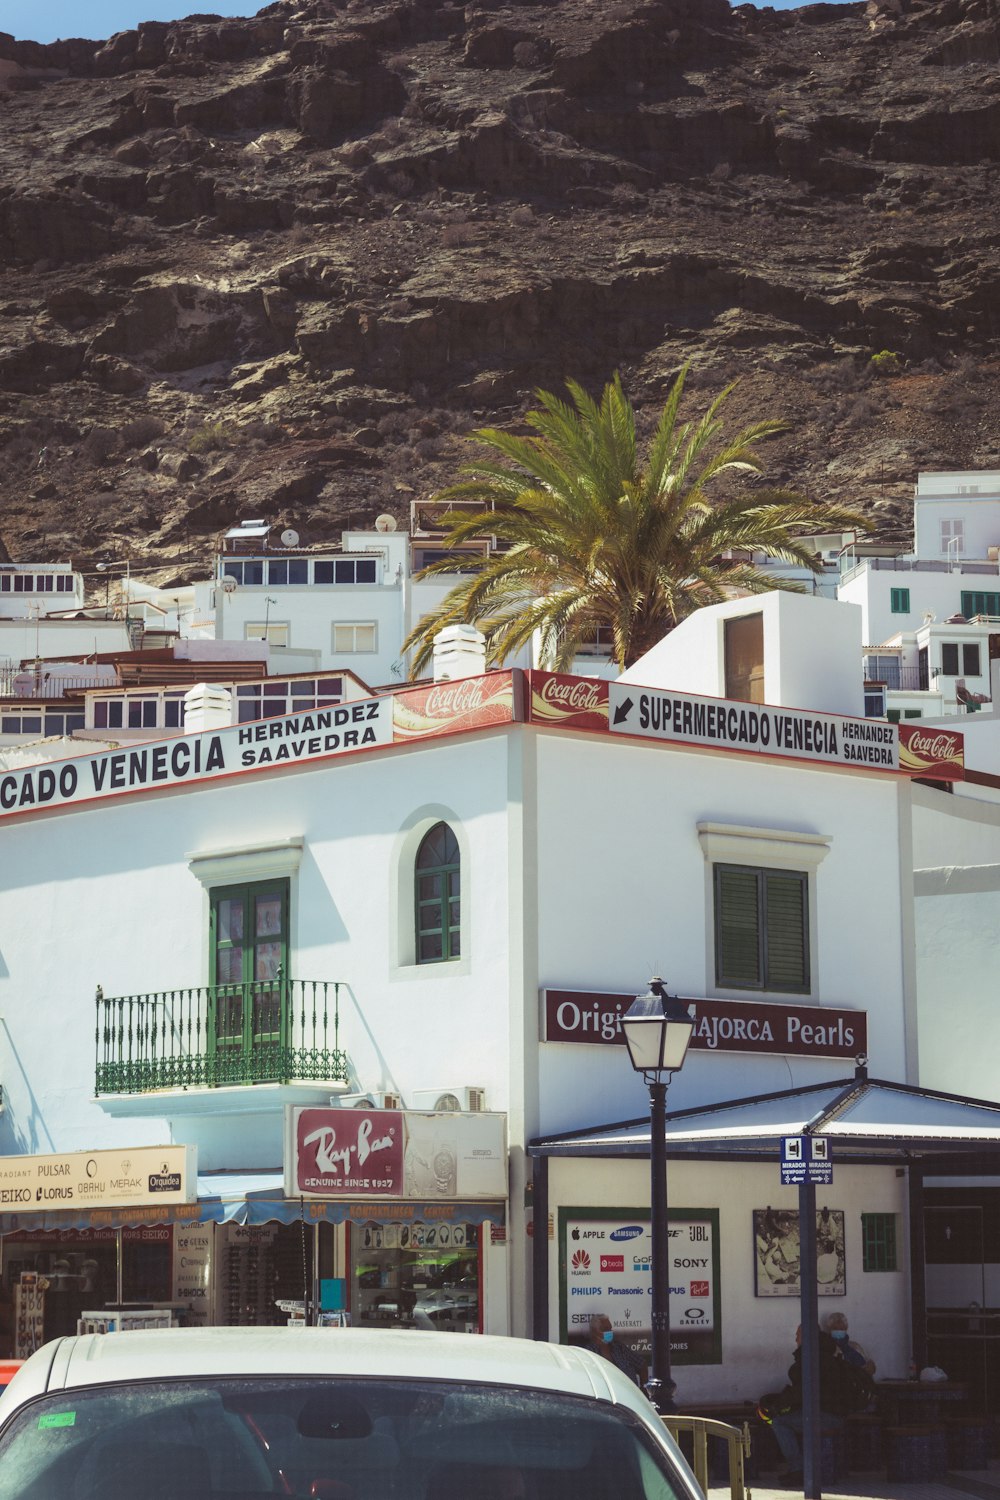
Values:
[(173, 1353)]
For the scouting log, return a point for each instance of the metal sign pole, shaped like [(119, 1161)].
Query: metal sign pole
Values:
[(809, 1313)]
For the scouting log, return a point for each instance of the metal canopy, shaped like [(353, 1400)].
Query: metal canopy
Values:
[(867, 1120)]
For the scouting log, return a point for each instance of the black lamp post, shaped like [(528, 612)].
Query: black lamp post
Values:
[(657, 1029)]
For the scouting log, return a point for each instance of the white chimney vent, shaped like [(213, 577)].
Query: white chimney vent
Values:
[(207, 706), (459, 651)]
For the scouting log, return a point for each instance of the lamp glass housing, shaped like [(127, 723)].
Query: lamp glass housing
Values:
[(657, 1029)]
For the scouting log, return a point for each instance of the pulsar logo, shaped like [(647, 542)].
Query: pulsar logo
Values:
[(581, 1261), (628, 1232)]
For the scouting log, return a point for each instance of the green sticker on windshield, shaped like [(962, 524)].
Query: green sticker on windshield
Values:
[(58, 1419)]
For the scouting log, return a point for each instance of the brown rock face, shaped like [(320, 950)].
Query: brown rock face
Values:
[(278, 266)]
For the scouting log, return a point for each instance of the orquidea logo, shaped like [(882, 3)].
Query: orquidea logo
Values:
[(580, 1262), (627, 1232)]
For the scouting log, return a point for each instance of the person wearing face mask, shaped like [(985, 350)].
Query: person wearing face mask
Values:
[(836, 1326), (603, 1342)]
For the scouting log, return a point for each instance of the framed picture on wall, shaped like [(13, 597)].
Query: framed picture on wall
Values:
[(776, 1252)]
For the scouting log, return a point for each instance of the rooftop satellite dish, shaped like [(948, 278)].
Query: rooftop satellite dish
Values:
[(385, 523), (289, 537), (229, 584), (929, 617)]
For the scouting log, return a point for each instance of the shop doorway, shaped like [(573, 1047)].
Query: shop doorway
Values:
[(962, 1271)]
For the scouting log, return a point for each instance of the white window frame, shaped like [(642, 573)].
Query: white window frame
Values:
[(952, 530), (354, 626), (269, 631), (771, 849)]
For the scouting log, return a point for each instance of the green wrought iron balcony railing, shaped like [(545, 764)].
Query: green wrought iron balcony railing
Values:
[(274, 1031)]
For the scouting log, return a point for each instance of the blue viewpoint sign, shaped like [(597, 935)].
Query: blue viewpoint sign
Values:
[(806, 1158)]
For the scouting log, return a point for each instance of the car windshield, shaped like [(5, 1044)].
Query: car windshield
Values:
[(328, 1439)]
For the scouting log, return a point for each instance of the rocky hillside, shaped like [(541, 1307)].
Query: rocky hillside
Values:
[(278, 266)]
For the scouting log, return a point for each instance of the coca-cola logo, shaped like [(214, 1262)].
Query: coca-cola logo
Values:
[(452, 698), (577, 695), (939, 746)]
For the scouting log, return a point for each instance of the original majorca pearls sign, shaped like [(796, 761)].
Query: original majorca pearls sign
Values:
[(589, 1018)]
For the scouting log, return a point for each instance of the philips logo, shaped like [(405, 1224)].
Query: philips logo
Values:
[(629, 1232)]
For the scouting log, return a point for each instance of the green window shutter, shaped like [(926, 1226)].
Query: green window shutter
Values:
[(975, 603), (899, 601), (878, 1242), (949, 659), (737, 927), (787, 954), (892, 714), (438, 897)]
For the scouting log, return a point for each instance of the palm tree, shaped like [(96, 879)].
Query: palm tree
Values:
[(592, 533)]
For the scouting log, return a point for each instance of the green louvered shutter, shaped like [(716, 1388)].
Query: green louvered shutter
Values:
[(786, 952), (737, 927)]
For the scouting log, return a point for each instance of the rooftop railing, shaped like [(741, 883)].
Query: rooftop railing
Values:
[(270, 1031)]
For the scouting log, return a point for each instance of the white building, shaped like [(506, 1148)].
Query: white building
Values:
[(31, 589), (448, 893)]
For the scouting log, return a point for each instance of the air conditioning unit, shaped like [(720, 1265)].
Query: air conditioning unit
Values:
[(442, 1101), (993, 553), (374, 1099)]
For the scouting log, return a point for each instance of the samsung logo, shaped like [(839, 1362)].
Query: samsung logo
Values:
[(630, 1232)]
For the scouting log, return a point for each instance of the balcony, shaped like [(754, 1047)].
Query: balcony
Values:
[(278, 1031)]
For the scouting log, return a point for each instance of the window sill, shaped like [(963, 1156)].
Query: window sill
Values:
[(444, 968)]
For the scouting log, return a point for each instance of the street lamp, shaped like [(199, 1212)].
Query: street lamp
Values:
[(657, 1029)]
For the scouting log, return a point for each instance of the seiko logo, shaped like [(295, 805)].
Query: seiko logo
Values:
[(576, 695), (455, 698)]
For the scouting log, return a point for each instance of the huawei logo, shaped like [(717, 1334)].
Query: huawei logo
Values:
[(581, 1260)]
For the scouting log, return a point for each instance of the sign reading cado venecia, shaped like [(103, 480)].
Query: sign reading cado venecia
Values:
[(322, 732), (122, 1179), (720, 1025)]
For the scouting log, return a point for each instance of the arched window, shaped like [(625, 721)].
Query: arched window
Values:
[(438, 893)]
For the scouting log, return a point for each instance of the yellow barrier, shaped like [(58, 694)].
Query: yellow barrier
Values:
[(736, 1438)]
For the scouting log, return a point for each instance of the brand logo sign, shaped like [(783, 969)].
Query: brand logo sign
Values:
[(99, 1179), (628, 1232), (612, 1263), (938, 754), (394, 1153), (352, 1151), (568, 702), (451, 707), (589, 1019), (581, 1261)]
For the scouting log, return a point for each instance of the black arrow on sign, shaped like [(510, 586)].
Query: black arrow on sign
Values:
[(623, 710)]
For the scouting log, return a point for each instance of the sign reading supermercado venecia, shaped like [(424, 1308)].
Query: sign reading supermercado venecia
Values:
[(394, 1153), (101, 1179), (583, 1016)]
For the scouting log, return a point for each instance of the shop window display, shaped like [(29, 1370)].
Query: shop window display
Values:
[(416, 1276)]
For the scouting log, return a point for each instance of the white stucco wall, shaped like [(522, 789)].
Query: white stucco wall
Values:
[(812, 653), (105, 896), (624, 891), (758, 1333)]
